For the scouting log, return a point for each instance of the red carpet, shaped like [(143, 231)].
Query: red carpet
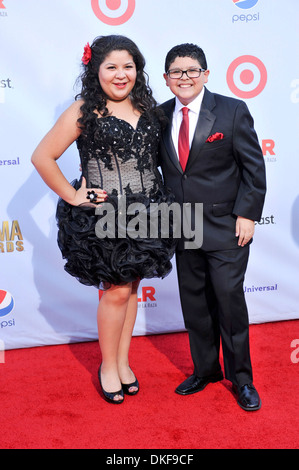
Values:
[(50, 398)]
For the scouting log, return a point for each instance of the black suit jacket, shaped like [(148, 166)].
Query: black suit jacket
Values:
[(227, 175)]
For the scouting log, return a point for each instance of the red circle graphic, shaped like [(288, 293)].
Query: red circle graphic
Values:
[(246, 76), (113, 5)]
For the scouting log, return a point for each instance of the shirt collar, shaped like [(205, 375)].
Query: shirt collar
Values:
[(194, 106)]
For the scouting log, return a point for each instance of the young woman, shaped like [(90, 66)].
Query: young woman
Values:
[(115, 125)]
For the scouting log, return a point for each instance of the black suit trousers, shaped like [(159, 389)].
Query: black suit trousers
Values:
[(214, 307)]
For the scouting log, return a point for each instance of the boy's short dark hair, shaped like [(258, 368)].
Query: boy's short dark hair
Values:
[(186, 50)]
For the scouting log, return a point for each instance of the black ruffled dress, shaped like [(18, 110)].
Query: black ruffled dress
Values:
[(100, 251)]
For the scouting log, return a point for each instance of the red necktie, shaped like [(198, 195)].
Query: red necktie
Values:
[(184, 139)]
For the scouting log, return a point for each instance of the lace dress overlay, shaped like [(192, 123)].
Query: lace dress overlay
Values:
[(122, 161)]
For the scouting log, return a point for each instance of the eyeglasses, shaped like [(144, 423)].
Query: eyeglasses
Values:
[(191, 73)]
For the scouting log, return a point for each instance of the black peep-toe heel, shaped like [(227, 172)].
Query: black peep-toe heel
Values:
[(109, 396), (126, 388)]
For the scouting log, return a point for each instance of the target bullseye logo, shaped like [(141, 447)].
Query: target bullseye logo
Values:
[(113, 12), (246, 76)]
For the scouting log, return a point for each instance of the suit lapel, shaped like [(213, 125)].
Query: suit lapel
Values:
[(168, 108), (203, 129), (204, 126)]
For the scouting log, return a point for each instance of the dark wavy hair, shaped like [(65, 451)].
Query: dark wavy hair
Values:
[(91, 92)]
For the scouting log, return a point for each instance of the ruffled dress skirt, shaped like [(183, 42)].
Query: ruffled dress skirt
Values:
[(102, 262)]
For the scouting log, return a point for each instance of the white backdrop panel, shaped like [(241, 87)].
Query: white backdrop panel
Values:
[(41, 48)]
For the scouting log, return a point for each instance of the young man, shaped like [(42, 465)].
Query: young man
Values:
[(223, 169)]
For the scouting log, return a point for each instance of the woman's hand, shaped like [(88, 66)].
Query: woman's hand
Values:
[(88, 196)]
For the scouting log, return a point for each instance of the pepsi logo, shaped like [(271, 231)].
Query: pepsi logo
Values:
[(245, 4), (6, 303), (113, 12)]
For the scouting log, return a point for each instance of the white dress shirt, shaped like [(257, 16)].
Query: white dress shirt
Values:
[(193, 114)]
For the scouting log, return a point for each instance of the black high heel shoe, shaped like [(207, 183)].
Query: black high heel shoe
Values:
[(126, 388), (109, 396)]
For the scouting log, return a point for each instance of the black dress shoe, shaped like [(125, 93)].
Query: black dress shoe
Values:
[(195, 384), (247, 397)]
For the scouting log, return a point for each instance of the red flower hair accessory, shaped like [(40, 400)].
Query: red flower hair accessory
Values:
[(86, 54)]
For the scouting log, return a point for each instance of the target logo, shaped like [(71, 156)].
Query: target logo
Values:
[(245, 4), (246, 76), (113, 12)]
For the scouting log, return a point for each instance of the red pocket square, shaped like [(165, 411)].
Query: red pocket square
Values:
[(217, 136)]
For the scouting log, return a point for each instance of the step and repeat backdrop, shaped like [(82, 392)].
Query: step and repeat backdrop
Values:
[(252, 54)]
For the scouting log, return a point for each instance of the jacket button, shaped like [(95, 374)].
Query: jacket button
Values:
[(185, 176)]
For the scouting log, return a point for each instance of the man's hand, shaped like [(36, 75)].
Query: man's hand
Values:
[(244, 230)]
